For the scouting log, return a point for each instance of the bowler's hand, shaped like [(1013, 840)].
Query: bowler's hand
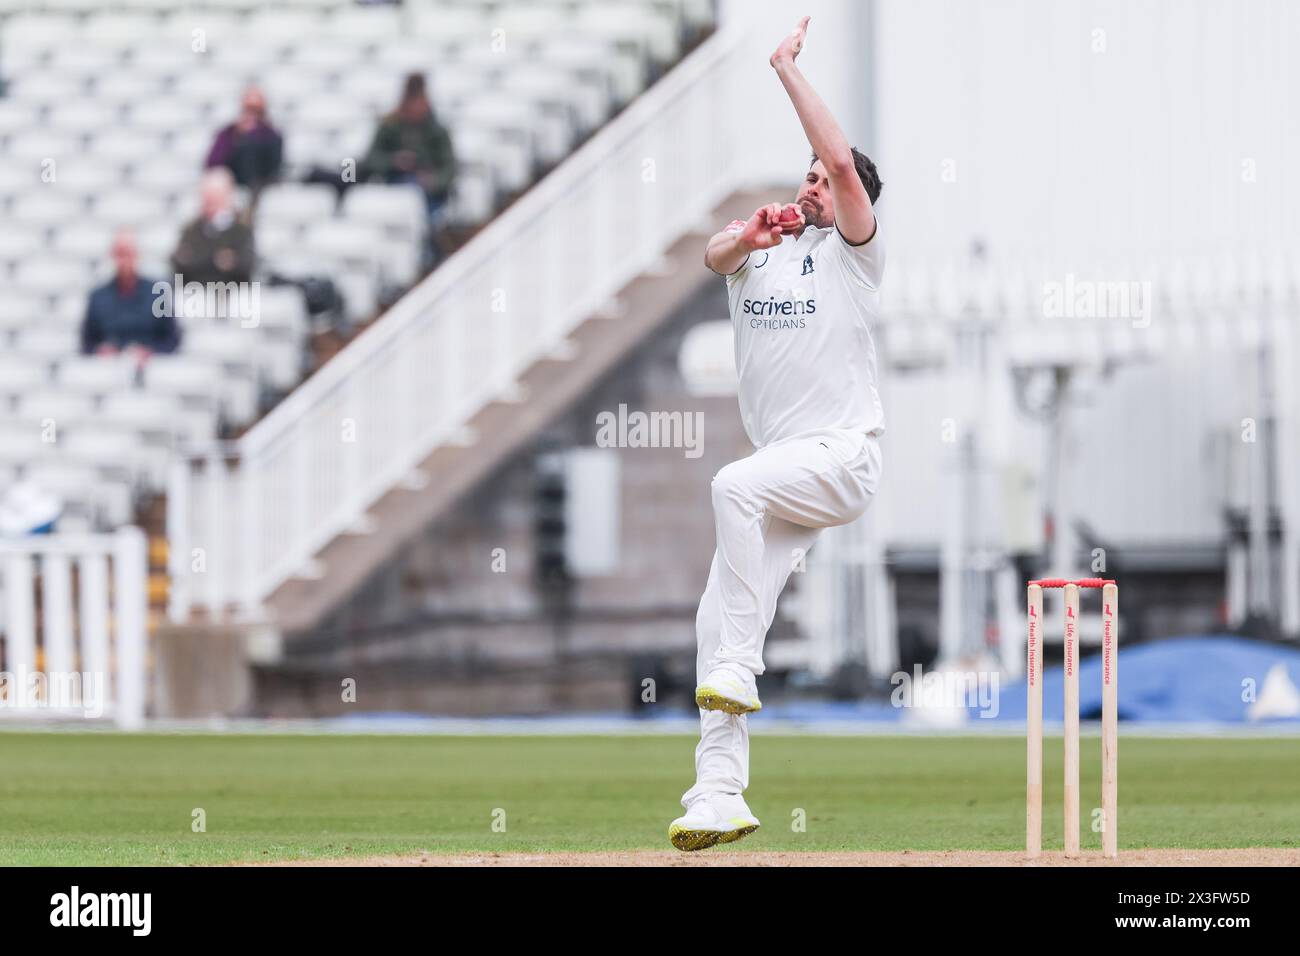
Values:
[(791, 45), (766, 227)]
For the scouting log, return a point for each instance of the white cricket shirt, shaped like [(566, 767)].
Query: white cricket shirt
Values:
[(801, 313)]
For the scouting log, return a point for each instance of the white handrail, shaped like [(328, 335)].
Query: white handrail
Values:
[(250, 516), (89, 669)]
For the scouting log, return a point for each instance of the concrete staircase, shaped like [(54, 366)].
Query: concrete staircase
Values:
[(545, 391)]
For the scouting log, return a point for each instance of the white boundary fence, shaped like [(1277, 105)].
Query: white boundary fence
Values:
[(244, 518), (90, 631)]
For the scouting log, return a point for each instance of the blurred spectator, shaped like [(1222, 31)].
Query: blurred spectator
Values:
[(250, 147), (120, 315), (218, 245), (411, 146)]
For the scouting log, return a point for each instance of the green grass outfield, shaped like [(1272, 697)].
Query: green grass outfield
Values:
[(104, 798)]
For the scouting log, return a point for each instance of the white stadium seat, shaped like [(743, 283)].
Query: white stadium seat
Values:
[(120, 30), (19, 374), (529, 22), (82, 485), (485, 61), (351, 245), (86, 59), (89, 176), (204, 27), (56, 405), (67, 311), (304, 149), (83, 240), (296, 204), (20, 59), (246, 58), (287, 87), (632, 24), (474, 195), (37, 146), (146, 411), (444, 23), (20, 240), (280, 362), (589, 99), (399, 260), (183, 375), (150, 57), (450, 88), (366, 26), (317, 113), (46, 88), (510, 160), (141, 412), (47, 206), (117, 452), (552, 136), (16, 117), (40, 30), (211, 86), (48, 343), (404, 55), (398, 210), (159, 115), (329, 56), (191, 146), (276, 239), (126, 145), (72, 6), (50, 277), (283, 311), (228, 344), (132, 209), (95, 375), (157, 241), (625, 69), (127, 86), (360, 293), (354, 141), (378, 88), (21, 443), (163, 175)]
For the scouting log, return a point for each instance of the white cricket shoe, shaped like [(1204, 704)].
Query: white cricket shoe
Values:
[(712, 818), (728, 688)]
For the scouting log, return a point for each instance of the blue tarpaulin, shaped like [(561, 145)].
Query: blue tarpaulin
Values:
[(1195, 679)]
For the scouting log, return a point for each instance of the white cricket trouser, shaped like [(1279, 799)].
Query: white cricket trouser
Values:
[(767, 511)]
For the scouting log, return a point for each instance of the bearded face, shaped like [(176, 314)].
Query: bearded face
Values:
[(814, 198)]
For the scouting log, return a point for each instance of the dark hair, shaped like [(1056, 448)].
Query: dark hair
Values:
[(413, 86), (866, 171)]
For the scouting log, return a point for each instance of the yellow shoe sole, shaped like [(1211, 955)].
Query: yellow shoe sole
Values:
[(731, 836), (708, 698), (688, 840)]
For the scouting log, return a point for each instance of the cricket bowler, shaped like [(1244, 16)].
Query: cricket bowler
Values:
[(802, 287)]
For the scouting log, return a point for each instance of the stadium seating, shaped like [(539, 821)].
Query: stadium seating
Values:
[(107, 112)]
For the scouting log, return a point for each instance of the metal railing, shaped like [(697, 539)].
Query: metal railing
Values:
[(244, 518), (83, 654)]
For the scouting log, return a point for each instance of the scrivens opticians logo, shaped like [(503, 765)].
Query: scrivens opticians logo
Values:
[(774, 313)]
